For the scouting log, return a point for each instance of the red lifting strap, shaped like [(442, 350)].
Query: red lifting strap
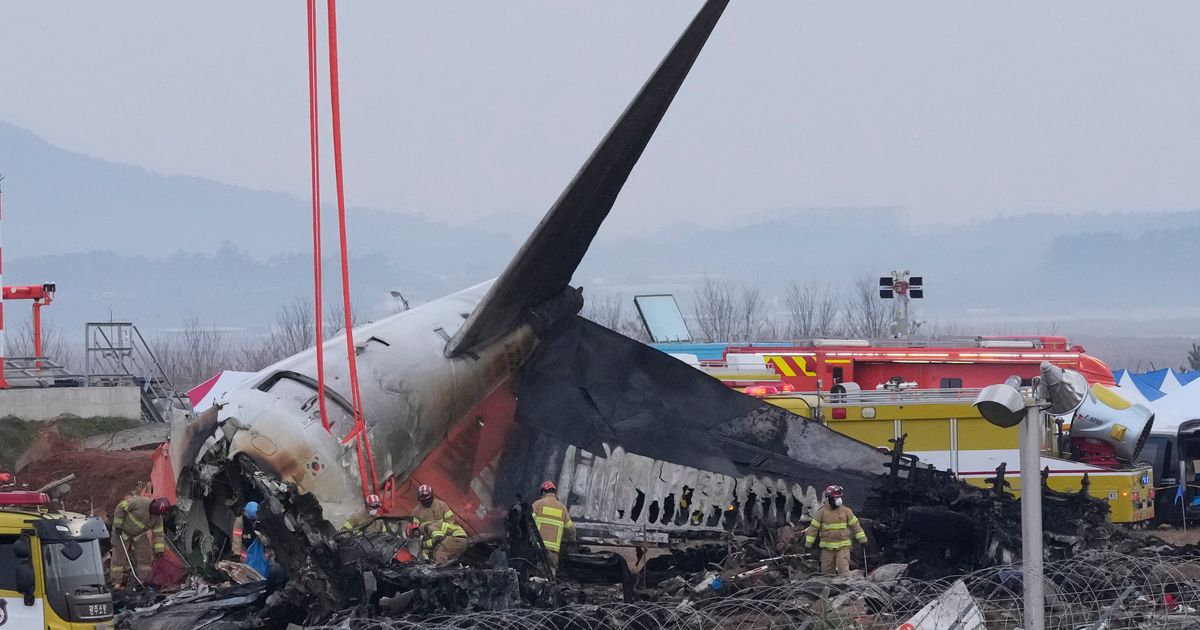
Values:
[(314, 142), (366, 459)]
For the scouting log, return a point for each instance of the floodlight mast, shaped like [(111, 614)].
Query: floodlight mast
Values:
[(902, 286), (1003, 405), (1031, 518)]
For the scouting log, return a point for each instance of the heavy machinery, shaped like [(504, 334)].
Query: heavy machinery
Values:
[(51, 574), (41, 295), (1100, 446)]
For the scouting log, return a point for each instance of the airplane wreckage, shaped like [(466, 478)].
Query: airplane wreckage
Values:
[(485, 393)]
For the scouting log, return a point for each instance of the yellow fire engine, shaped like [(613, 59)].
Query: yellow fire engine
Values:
[(51, 575), (944, 429)]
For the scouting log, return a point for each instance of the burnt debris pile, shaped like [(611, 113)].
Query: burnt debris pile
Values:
[(939, 550), (944, 527), (1094, 590)]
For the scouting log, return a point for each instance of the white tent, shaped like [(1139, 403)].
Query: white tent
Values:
[(1140, 383), (1132, 394), (1177, 407), (1170, 382)]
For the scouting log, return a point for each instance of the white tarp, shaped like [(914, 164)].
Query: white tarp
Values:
[(954, 608)]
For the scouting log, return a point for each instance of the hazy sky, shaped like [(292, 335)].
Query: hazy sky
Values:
[(466, 109)]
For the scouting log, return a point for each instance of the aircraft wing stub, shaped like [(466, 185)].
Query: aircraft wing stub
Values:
[(544, 265)]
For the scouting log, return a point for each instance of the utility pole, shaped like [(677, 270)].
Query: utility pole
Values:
[(1031, 516), (1061, 392), (3, 381)]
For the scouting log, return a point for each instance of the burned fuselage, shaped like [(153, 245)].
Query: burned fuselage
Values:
[(485, 393), (412, 396)]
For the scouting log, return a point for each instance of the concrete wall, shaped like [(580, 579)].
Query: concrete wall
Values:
[(85, 402)]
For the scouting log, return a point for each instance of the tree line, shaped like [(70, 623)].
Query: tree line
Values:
[(727, 311)]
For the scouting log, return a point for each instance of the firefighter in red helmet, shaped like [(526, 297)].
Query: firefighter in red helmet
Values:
[(444, 539), (367, 520), (137, 535), (834, 525), (554, 523)]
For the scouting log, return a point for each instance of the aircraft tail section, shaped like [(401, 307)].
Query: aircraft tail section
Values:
[(543, 267)]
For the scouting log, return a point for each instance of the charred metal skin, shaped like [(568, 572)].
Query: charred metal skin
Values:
[(412, 395), (423, 370)]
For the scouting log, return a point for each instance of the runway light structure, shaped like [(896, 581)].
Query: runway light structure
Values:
[(902, 286), (1005, 405)]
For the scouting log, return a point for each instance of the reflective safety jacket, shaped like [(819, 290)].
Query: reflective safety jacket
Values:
[(553, 521), (834, 527), (244, 534), (132, 518), (445, 530), (368, 524), (430, 518)]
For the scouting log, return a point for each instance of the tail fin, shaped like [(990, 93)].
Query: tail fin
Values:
[(544, 265)]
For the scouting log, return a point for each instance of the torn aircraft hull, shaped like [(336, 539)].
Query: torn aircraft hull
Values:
[(485, 393)]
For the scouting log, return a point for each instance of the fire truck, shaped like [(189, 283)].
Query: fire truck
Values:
[(922, 391), (943, 428), (956, 363), (51, 574)]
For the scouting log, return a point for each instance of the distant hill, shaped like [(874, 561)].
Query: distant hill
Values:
[(158, 249)]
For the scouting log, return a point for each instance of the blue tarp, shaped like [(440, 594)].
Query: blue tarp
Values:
[(1150, 384)]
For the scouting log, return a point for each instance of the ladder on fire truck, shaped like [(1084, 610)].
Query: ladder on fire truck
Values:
[(116, 354)]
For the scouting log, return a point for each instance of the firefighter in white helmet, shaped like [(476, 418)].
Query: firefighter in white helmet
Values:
[(834, 525)]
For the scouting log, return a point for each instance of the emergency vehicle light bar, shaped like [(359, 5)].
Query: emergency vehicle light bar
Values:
[(21, 497)]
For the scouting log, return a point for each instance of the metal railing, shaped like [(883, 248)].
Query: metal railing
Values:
[(38, 372), (115, 354), (889, 396)]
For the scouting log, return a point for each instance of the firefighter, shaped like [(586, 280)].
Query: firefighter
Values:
[(446, 543), (429, 516), (554, 524), (245, 530), (367, 521), (834, 524), (137, 535)]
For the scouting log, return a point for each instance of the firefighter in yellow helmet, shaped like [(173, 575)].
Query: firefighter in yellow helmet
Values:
[(834, 524), (554, 523), (137, 535)]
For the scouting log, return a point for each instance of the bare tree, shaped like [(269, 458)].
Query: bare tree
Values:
[(54, 347), (194, 354), (813, 312), (725, 312), (609, 310), (864, 313), (751, 321), (294, 328), (715, 309), (292, 332), (334, 322)]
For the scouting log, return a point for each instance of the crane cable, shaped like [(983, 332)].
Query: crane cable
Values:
[(366, 459)]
